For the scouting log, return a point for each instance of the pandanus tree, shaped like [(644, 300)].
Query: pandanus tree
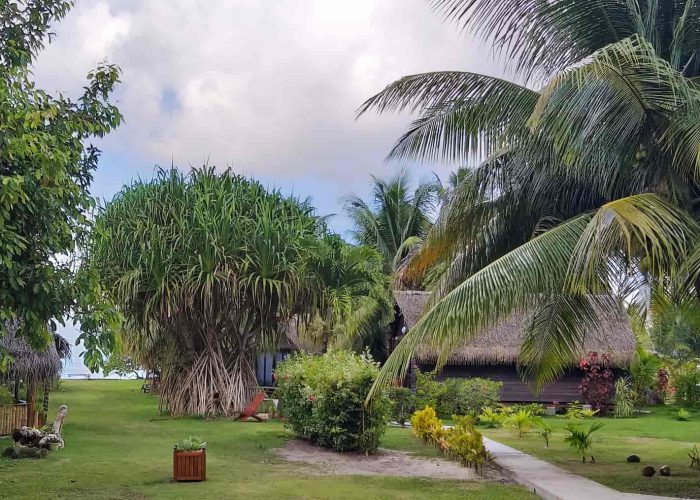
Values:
[(587, 185), (204, 267)]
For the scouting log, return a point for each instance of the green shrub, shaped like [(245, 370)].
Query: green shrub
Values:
[(403, 404), (426, 425), (686, 379), (462, 442), (466, 444), (6, 398), (623, 402), (323, 400), (455, 395), (491, 418), (682, 415)]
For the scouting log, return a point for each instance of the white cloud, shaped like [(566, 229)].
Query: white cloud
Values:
[(268, 86)]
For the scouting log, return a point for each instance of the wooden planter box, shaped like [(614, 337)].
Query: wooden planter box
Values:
[(189, 465)]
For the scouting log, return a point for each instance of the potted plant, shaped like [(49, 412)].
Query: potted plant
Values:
[(190, 460)]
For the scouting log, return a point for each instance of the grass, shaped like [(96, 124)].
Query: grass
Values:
[(657, 438), (117, 446)]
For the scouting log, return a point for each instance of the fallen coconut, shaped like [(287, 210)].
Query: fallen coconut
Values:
[(648, 471)]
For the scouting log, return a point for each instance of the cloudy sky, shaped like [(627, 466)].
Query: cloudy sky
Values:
[(268, 87)]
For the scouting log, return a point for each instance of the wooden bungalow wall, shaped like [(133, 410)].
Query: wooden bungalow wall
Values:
[(564, 390)]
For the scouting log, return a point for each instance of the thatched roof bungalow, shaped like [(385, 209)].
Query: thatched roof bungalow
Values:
[(34, 367), (494, 352)]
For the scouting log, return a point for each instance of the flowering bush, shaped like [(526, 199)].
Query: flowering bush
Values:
[(598, 381), (323, 400)]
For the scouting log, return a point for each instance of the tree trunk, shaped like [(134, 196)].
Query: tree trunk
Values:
[(45, 405), (211, 386), (31, 395)]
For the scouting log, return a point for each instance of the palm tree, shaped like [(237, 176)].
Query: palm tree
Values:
[(353, 299), (396, 218), (205, 268), (588, 183)]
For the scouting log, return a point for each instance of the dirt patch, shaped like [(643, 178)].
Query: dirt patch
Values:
[(383, 463)]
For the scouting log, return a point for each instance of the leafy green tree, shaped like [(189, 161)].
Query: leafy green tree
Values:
[(122, 365), (587, 190), (46, 166), (396, 218)]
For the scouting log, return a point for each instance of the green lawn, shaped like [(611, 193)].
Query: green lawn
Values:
[(119, 447), (657, 438)]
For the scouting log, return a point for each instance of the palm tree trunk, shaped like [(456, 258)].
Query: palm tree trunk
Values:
[(45, 405)]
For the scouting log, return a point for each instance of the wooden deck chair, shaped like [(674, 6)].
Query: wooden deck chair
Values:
[(251, 411)]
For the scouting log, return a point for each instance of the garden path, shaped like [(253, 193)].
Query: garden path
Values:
[(549, 481)]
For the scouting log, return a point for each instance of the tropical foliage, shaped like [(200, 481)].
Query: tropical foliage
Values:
[(323, 400), (46, 166), (396, 219), (456, 395), (353, 304), (587, 184), (205, 268), (582, 439)]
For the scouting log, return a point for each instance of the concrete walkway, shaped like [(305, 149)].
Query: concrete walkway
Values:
[(549, 481)]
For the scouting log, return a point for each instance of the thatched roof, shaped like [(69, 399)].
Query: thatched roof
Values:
[(30, 363), (500, 344)]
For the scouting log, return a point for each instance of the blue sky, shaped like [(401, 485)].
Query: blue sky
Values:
[(268, 88)]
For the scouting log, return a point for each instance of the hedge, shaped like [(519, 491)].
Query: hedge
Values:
[(323, 400)]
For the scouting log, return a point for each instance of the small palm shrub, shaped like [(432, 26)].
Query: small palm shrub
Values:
[(491, 418), (623, 402), (582, 440), (323, 400), (545, 431), (682, 415), (575, 411), (523, 421)]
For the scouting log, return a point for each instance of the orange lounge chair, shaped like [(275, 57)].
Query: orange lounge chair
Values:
[(251, 411)]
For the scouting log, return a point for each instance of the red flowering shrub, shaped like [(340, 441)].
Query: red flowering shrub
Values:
[(597, 386)]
